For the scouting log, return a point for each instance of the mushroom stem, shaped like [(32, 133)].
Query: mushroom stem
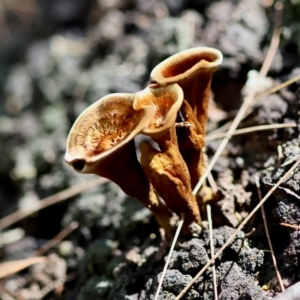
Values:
[(191, 141), (168, 173), (166, 169), (192, 70), (167, 141), (134, 183), (197, 92)]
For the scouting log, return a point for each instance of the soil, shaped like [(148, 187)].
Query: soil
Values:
[(58, 57)]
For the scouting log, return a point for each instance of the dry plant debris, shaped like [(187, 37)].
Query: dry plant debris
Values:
[(12, 267), (48, 275)]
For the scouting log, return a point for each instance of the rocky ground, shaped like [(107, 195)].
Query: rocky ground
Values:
[(56, 58)]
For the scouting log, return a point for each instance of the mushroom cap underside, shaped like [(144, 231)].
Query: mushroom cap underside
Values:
[(185, 64), (104, 127), (166, 100)]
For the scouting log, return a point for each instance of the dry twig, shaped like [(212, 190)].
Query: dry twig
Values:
[(210, 224), (220, 135), (11, 267), (272, 90), (180, 223), (268, 235), (208, 209), (48, 201), (277, 88), (297, 227), (57, 239)]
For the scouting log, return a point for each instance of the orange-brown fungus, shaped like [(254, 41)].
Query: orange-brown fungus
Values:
[(107, 124), (110, 128), (183, 63), (166, 101), (101, 142), (192, 70), (168, 173), (162, 107)]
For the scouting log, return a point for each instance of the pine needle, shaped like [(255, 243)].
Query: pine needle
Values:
[(220, 135), (11, 267), (208, 209), (180, 223), (268, 235), (48, 201)]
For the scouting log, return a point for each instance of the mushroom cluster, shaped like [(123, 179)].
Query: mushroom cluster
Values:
[(101, 140)]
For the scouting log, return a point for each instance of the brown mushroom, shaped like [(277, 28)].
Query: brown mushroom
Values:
[(191, 140), (101, 142), (192, 69), (166, 169), (166, 101)]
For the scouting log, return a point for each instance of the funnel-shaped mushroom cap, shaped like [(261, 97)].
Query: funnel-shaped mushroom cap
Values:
[(103, 128), (185, 64), (166, 100), (192, 69)]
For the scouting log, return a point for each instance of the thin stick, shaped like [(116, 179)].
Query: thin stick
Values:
[(57, 239), (290, 160), (277, 88), (208, 209), (248, 234), (274, 41), (230, 240), (268, 235), (53, 199), (247, 101), (223, 128), (258, 97), (212, 183), (180, 223), (214, 187), (220, 135), (290, 225)]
